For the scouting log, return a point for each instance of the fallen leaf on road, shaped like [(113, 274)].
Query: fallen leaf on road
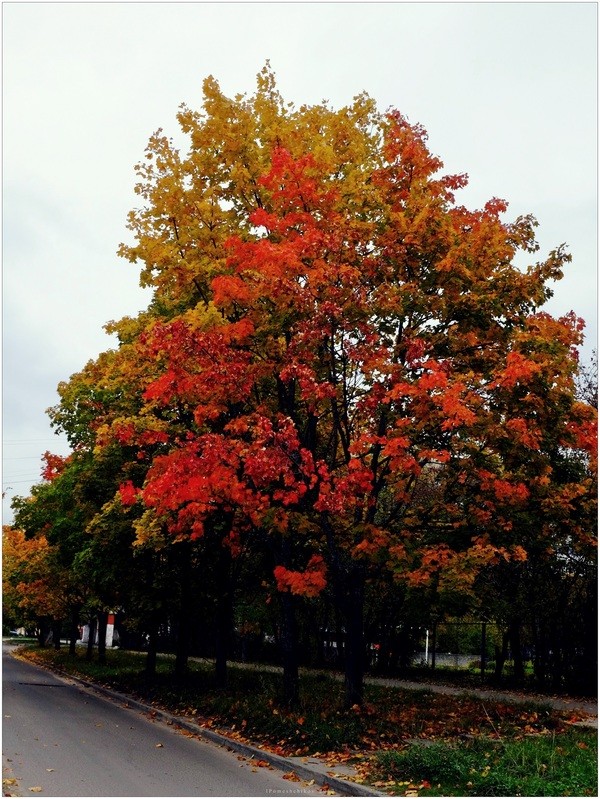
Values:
[(35, 789), (49, 769), (159, 746)]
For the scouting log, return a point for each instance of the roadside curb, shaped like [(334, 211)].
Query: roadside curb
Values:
[(305, 772)]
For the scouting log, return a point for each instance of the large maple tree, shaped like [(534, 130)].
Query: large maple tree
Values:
[(340, 362), (349, 361)]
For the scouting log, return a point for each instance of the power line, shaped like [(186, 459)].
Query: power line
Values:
[(23, 458), (31, 440)]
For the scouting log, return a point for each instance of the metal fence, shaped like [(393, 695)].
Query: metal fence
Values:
[(458, 644)]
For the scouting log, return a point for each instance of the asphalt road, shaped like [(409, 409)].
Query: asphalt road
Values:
[(62, 740)]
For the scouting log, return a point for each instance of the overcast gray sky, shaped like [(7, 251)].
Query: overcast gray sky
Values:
[(507, 92)]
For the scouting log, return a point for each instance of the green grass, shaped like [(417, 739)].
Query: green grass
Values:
[(553, 765), (465, 747)]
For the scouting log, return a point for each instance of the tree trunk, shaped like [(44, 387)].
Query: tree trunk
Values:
[(483, 660), (433, 644), (289, 651), (91, 637), (150, 667), (517, 654), (355, 642), (540, 653), (74, 630), (56, 631), (224, 626), (182, 646), (44, 631), (501, 655), (556, 660), (184, 615), (102, 624), (348, 580), (340, 648)]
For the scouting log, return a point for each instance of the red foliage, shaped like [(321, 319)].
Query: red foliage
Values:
[(129, 493), (54, 465), (308, 583)]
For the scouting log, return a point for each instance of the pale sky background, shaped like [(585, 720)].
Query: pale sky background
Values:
[(506, 91)]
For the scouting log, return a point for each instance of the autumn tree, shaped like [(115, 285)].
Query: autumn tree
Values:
[(37, 591), (338, 356), (92, 564), (24, 561), (341, 369), (132, 564), (53, 515), (557, 525)]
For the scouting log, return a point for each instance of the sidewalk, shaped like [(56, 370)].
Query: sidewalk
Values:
[(587, 706)]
